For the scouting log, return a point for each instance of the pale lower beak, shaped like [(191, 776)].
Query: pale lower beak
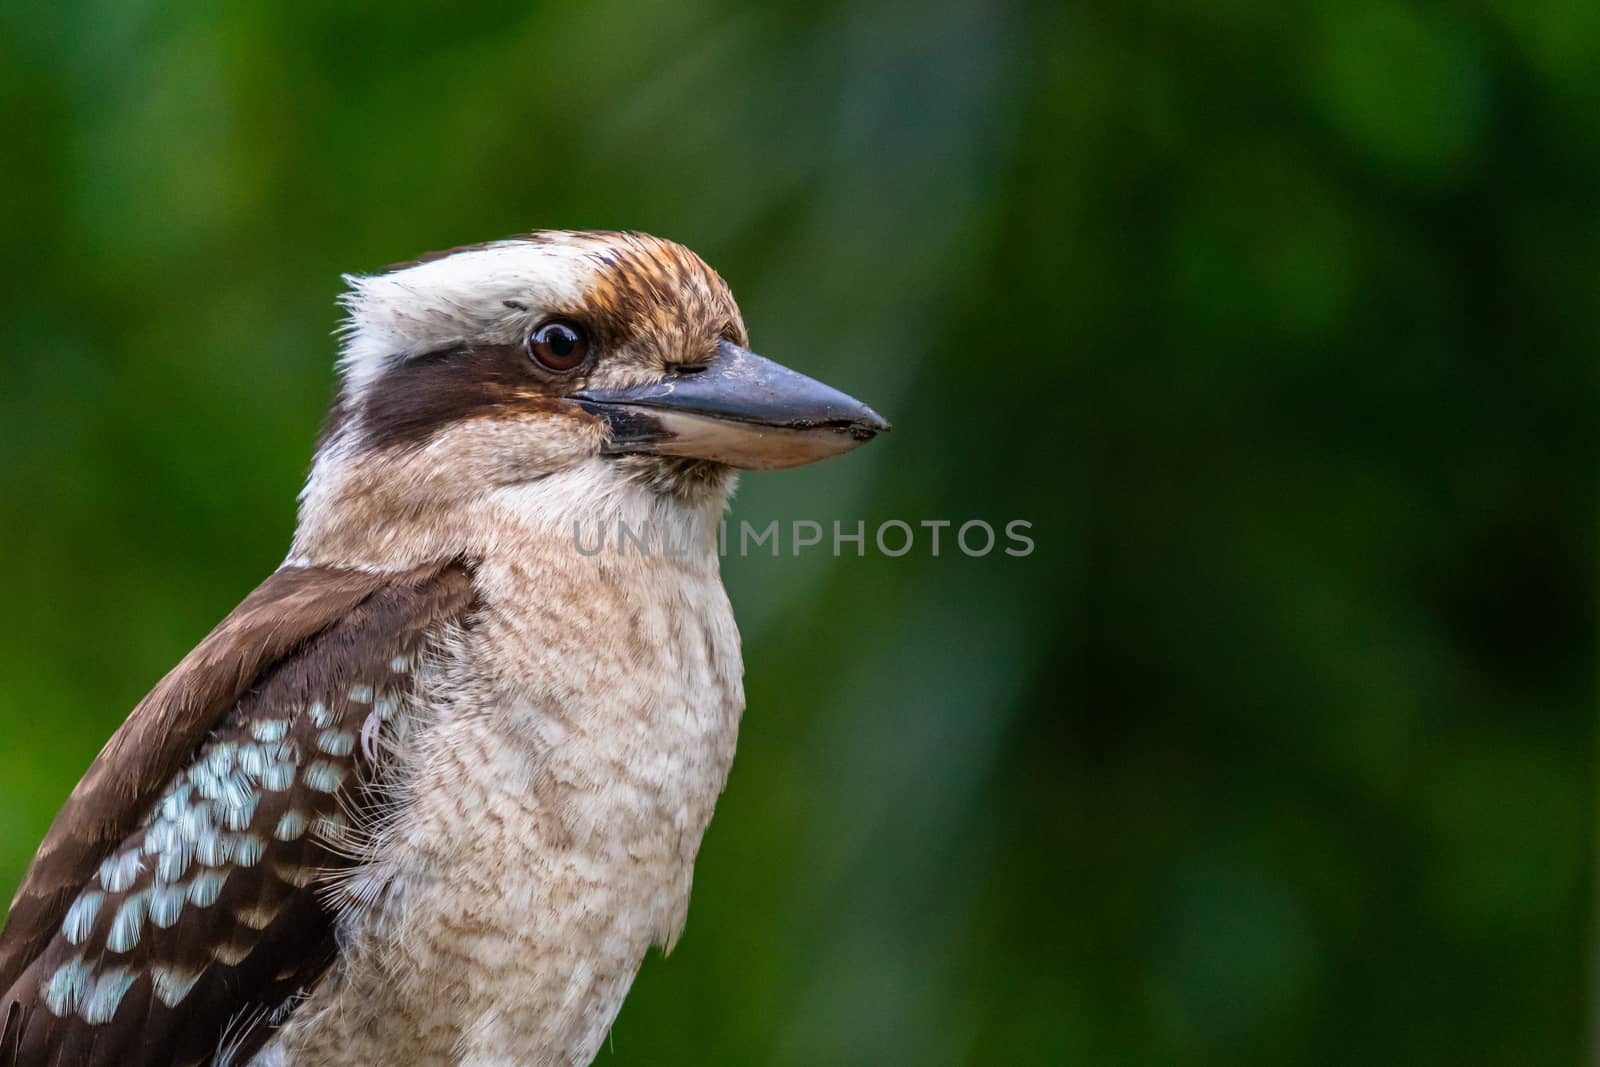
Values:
[(739, 409)]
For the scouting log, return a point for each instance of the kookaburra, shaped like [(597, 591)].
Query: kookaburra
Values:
[(430, 793)]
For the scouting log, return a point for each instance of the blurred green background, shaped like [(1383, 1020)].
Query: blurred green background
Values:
[(1278, 323)]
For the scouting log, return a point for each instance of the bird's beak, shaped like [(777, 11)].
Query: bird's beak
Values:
[(739, 409)]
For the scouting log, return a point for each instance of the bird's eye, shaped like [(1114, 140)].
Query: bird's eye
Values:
[(558, 346)]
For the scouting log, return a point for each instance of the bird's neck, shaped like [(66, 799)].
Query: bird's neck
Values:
[(393, 518)]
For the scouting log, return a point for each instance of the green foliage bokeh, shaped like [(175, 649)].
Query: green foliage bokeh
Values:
[(1275, 321)]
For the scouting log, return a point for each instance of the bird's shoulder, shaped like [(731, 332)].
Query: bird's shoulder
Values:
[(174, 904)]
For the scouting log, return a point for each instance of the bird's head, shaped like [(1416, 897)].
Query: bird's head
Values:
[(616, 360)]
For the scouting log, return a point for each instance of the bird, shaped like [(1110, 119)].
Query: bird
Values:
[(433, 790)]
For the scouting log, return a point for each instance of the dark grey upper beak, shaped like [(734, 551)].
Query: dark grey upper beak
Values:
[(739, 409)]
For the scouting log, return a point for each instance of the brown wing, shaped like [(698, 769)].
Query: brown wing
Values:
[(172, 902)]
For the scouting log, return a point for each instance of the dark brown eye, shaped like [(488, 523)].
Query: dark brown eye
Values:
[(558, 346)]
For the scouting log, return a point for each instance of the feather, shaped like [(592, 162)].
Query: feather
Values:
[(174, 913)]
